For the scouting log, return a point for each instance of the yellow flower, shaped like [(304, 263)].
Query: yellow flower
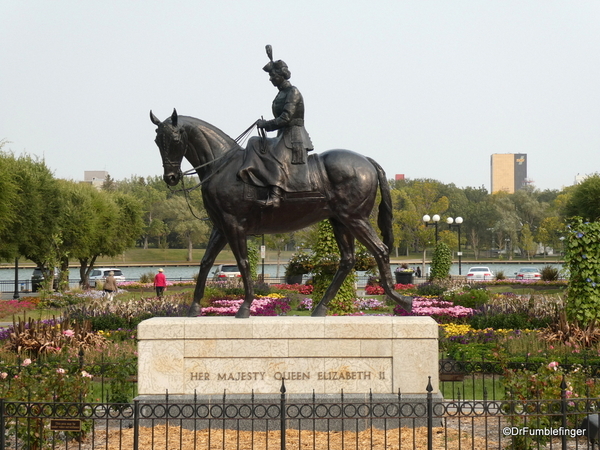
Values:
[(453, 329)]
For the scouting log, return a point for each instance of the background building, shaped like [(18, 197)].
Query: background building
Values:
[(509, 172), (95, 177)]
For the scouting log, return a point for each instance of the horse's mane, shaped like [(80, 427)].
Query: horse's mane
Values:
[(199, 129)]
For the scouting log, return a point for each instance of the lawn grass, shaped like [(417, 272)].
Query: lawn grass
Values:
[(473, 388), (35, 314), (526, 290)]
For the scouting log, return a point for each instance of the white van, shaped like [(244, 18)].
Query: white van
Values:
[(101, 273)]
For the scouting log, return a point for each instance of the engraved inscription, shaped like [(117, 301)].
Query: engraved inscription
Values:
[(241, 376), (261, 376), (345, 375)]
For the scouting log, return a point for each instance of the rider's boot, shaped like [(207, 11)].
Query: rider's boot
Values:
[(274, 198)]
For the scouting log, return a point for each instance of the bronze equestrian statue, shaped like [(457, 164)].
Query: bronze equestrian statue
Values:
[(338, 185)]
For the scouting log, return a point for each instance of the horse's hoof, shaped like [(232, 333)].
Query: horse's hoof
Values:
[(243, 313), (406, 303), (320, 311), (194, 310)]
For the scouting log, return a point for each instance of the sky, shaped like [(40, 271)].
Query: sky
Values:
[(429, 89)]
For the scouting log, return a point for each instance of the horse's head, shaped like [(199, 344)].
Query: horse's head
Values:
[(172, 141)]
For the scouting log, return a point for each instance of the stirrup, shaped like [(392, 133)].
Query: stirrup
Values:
[(274, 197)]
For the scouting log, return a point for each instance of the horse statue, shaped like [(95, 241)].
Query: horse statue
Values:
[(346, 187)]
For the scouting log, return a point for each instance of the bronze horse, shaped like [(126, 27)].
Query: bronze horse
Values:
[(348, 186)]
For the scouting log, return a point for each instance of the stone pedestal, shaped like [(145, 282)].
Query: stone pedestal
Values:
[(359, 354)]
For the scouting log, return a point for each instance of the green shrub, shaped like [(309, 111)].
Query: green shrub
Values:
[(147, 277), (472, 298), (473, 352), (234, 291), (430, 289), (515, 321), (549, 273), (61, 300), (441, 262), (262, 289), (500, 275)]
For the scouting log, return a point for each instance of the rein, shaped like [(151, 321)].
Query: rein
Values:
[(228, 152), (237, 140)]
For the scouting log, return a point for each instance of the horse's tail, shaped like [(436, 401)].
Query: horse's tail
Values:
[(385, 216)]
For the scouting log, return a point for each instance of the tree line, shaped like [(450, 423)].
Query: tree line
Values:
[(55, 222)]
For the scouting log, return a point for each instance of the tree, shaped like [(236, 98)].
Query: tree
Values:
[(585, 199), (527, 243), (278, 242), (480, 216), (77, 222), (151, 193), (550, 232), (508, 226), (412, 200), (8, 197), (190, 229), (117, 223), (35, 231)]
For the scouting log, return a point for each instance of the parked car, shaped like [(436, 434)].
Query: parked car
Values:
[(101, 273), (480, 273), (37, 278), (528, 273), (224, 271)]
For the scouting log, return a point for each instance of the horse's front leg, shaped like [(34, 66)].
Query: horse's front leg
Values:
[(237, 241), (215, 244)]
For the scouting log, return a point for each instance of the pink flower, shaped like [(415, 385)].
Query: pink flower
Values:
[(59, 370), (3, 375), (26, 362), (85, 374), (69, 333), (553, 365)]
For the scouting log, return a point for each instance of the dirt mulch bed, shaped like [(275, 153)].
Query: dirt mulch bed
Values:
[(180, 438)]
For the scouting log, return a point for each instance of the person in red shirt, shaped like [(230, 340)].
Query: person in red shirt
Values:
[(160, 282)]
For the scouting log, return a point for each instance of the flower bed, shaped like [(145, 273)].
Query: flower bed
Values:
[(304, 289), (378, 290), (440, 310), (10, 307), (263, 306)]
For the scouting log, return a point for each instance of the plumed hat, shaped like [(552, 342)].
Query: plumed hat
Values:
[(273, 66)]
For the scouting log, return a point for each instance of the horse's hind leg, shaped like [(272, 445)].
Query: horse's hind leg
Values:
[(364, 232), (345, 242), (215, 244)]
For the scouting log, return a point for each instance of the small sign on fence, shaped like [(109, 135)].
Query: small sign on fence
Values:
[(65, 424)]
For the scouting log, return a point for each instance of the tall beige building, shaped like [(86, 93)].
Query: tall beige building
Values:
[(509, 172)]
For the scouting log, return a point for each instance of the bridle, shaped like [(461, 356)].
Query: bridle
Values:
[(229, 153)]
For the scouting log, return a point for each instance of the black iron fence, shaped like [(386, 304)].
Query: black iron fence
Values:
[(483, 380), (283, 422)]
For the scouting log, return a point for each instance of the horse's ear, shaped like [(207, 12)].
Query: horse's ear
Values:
[(154, 120), (174, 117)]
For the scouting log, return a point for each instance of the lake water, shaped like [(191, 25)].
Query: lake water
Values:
[(133, 273)]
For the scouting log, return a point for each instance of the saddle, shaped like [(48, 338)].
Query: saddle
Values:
[(306, 182)]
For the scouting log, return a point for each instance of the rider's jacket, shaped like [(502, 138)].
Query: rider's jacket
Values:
[(288, 110)]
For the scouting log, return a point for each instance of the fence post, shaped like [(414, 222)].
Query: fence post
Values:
[(283, 413), (563, 411), (136, 424), (429, 415)]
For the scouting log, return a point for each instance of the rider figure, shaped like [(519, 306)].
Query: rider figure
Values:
[(288, 109)]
